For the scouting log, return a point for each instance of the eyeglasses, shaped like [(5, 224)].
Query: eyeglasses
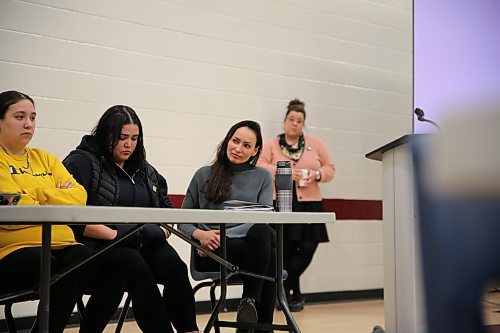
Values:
[(295, 121)]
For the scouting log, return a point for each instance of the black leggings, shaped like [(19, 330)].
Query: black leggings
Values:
[(142, 270), (21, 269), (171, 271), (255, 253), (297, 255), (149, 309)]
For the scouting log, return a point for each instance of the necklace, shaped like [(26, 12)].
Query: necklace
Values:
[(28, 165)]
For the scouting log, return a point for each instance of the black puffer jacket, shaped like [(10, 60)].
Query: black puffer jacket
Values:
[(100, 179)]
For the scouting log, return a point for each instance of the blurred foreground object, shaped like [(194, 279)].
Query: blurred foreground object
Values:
[(464, 160), (458, 188)]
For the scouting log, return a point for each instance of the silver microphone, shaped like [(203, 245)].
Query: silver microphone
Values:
[(284, 186)]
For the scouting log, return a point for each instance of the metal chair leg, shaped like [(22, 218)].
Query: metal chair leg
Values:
[(213, 302), (9, 318), (123, 314), (81, 308)]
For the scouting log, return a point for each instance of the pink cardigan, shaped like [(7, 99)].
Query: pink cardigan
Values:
[(315, 157)]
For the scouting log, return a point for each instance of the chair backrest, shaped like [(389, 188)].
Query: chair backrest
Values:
[(196, 274)]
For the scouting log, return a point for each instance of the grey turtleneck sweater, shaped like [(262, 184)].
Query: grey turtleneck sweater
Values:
[(253, 185)]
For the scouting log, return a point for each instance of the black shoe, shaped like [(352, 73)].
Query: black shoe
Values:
[(296, 305), (247, 313)]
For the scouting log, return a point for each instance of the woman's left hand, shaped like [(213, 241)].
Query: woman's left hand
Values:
[(309, 179), (66, 185)]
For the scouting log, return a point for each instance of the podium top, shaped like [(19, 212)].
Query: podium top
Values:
[(377, 153)]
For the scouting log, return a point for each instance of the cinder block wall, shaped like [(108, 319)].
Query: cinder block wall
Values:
[(192, 68)]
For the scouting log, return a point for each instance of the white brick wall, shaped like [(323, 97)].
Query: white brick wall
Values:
[(192, 68)]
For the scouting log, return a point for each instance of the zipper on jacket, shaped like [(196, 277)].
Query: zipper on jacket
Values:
[(140, 231)]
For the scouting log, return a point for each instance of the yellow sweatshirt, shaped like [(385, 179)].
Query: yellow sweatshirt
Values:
[(35, 176)]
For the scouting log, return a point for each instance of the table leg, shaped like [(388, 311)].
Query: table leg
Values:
[(279, 280), (43, 305)]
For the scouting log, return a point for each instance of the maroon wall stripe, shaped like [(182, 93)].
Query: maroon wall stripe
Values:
[(350, 209), (176, 199), (345, 209)]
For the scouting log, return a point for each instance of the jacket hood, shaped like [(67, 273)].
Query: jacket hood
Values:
[(89, 144)]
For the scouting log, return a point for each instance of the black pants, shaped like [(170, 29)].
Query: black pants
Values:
[(21, 269), (171, 271), (300, 241), (297, 255), (138, 280), (255, 253)]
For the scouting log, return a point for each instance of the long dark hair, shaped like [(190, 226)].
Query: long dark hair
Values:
[(108, 131), (218, 186), (7, 98)]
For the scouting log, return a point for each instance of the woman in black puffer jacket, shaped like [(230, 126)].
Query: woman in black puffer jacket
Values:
[(111, 165)]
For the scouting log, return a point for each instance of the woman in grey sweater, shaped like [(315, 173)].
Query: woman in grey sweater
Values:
[(234, 176)]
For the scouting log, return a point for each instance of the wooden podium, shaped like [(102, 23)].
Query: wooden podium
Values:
[(403, 289)]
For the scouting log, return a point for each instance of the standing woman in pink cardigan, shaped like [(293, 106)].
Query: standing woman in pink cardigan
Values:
[(311, 164)]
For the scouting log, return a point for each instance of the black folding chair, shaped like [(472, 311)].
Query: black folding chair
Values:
[(9, 300)]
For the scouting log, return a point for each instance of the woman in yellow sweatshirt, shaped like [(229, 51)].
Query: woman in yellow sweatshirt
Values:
[(41, 179)]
